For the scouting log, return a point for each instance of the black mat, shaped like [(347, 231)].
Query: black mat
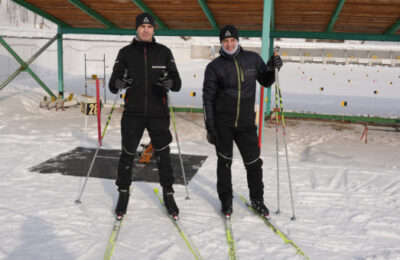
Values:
[(77, 162)]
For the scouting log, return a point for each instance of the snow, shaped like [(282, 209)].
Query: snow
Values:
[(346, 193)]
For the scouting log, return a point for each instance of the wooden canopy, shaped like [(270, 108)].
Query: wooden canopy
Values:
[(334, 19)]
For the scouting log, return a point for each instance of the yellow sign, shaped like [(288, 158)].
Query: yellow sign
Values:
[(89, 106)]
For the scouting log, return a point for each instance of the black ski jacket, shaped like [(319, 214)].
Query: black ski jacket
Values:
[(146, 63), (229, 88)]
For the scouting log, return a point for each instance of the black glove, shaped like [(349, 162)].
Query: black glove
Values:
[(124, 83), (212, 136), (275, 62), (165, 83)]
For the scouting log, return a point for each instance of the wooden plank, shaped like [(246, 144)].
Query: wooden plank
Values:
[(306, 1), (296, 15), (245, 15), (364, 16), (180, 14), (380, 2), (242, 6), (373, 9), (301, 27), (121, 13), (67, 12)]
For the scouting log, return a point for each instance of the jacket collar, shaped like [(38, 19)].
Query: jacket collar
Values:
[(231, 56), (139, 43)]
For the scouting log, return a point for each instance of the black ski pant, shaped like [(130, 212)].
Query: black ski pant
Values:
[(132, 128), (246, 140)]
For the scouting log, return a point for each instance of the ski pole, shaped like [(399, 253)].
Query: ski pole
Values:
[(179, 149), (277, 144), (277, 85), (286, 151), (78, 200)]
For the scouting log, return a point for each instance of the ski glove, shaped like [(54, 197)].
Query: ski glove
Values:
[(275, 62), (165, 84), (124, 83), (212, 136)]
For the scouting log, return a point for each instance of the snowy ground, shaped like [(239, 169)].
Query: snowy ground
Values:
[(347, 193)]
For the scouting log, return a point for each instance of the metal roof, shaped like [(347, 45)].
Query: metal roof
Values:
[(320, 19)]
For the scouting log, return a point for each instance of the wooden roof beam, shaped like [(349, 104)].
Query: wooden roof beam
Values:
[(335, 15), (394, 27), (41, 13), (208, 13), (92, 13), (145, 8)]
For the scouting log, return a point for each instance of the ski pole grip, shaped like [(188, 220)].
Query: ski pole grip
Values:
[(276, 50)]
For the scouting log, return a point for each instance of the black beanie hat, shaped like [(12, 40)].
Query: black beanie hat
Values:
[(228, 31), (144, 18)]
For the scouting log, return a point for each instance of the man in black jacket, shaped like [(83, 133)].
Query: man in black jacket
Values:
[(147, 71), (228, 98)]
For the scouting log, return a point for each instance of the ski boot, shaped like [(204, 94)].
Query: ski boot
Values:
[(170, 205), (226, 207), (260, 208), (122, 203)]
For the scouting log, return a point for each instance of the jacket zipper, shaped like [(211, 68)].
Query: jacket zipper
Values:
[(145, 78), (240, 78)]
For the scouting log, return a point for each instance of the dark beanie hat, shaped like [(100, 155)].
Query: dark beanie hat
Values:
[(228, 31), (144, 18)]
